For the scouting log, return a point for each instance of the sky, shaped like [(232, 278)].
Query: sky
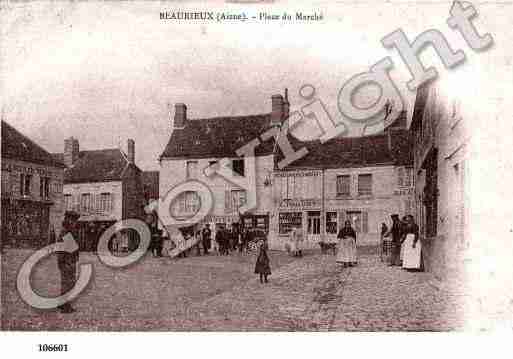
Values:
[(105, 72)]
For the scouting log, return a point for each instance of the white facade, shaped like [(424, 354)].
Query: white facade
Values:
[(225, 203), (312, 200)]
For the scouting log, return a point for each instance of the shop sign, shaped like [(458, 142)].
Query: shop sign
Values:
[(403, 191), (300, 203), (43, 172), (309, 173)]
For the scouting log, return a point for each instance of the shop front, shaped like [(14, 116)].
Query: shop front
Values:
[(25, 223), (304, 214)]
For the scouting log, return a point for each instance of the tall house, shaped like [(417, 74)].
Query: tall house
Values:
[(440, 147), (196, 144), (104, 186), (32, 202)]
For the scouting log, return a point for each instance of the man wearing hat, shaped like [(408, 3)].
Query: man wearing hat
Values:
[(206, 238), (67, 261), (396, 233)]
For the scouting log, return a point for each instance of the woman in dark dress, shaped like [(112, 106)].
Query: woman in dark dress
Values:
[(262, 266)]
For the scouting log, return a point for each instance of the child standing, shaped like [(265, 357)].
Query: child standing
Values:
[(262, 266)]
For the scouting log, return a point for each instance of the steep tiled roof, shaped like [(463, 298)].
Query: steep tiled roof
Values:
[(217, 137), (221, 137), (17, 146), (354, 152), (96, 166)]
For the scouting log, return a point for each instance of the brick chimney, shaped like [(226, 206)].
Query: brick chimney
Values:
[(71, 151), (131, 151), (180, 115), (278, 110)]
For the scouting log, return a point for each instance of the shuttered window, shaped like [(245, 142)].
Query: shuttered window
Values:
[(364, 184), (343, 185)]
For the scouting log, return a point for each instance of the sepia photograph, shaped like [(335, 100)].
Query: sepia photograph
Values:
[(255, 166)]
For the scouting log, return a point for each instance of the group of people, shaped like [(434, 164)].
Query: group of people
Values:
[(223, 242), (406, 248)]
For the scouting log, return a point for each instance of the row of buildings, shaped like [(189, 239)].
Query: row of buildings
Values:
[(412, 167), (104, 186), (363, 180)]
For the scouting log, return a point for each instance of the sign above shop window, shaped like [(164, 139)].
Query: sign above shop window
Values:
[(10, 167), (309, 173), (300, 203)]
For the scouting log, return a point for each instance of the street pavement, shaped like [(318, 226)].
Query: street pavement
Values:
[(221, 293)]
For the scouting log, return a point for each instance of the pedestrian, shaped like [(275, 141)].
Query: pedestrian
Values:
[(67, 261), (347, 245), (220, 241), (412, 259), (262, 266), (197, 239), (396, 232), (404, 220), (206, 238), (299, 241), (383, 245)]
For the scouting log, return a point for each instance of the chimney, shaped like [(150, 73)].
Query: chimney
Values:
[(131, 151), (180, 115), (71, 151), (277, 113), (286, 105)]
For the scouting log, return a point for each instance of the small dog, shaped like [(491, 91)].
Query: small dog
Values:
[(325, 247)]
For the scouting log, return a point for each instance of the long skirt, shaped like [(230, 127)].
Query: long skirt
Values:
[(347, 250), (411, 257)]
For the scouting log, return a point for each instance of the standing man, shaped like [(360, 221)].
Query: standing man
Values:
[(396, 233), (206, 238), (67, 262)]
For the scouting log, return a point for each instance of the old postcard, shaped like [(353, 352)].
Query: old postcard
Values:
[(255, 166)]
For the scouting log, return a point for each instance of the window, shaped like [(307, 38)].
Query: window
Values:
[(44, 187), (191, 202), (191, 169), (238, 199), (105, 205), (85, 202), (344, 185), (365, 184), (404, 177), (331, 222), (359, 221), (289, 220), (238, 167), (25, 183), (314, 222), (68, 202)]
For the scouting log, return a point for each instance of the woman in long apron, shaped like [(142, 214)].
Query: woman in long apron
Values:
[(347, 245), (412, 257)]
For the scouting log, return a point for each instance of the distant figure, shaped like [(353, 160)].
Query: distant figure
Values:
[(347, 246), (404, 220), (383, 245), (412, 245), (396, 233), (67, 262), (206, 238), (262, 266)]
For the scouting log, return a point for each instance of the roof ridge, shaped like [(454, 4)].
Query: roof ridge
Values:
[(229, 117)]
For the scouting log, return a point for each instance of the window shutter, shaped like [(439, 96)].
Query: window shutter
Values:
[(365, 224), (227, 202)]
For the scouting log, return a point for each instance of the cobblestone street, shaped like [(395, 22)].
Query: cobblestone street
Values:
[(221, 293)]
